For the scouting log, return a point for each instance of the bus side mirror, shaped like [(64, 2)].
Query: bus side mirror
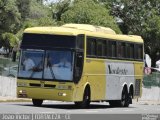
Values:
[(78, 67)]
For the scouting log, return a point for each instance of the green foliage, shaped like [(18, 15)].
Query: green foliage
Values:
[(9, 40), (89, 12), (10, 16), (38, 10), (24, 8), (45, 21), (39, 15), (59, 8), (140, 17)]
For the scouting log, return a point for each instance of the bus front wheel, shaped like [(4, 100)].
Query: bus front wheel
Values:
[(86, 99), (37, 102)]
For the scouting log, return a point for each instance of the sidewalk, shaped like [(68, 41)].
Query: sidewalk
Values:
[(146, 102), (13, 99)]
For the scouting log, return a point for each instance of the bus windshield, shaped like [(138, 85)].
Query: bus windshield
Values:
[(47, 65)]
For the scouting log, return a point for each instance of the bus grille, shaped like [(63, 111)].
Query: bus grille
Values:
[(137, 87)]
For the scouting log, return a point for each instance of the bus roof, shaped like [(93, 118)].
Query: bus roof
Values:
[(89, 30)]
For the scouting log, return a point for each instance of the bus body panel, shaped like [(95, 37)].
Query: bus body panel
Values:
[(95, 72), (79, 89), (105, 83), (138, 79), (45, 90), (118, 74)]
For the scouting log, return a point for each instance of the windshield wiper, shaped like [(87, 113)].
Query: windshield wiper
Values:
[(52, 73), (50, 67)]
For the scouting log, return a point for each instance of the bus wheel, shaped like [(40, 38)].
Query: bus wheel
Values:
[(130, 98), (86, 99), (37, 102), (124, 102)]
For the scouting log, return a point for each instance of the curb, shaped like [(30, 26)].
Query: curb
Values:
[(13, 99)]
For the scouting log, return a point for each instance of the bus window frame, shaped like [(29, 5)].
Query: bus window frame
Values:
[(109, 49), (131, 57), (73, 51), (136, 47), (102, 50), (88, 38), (119, 50)]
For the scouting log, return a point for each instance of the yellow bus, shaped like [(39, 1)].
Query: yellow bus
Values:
[(80, 63)]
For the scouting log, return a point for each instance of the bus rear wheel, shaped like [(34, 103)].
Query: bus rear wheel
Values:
[(37, 102), (124, 102), (86, 100)]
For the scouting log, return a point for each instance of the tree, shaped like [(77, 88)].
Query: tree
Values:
[(37, 14), (38, 10), (59, 8), (89, 12), (140, 17), (9, 40), (10, 16), (24, 8)]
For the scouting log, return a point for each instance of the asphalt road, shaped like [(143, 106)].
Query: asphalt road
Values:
[(95, 110)]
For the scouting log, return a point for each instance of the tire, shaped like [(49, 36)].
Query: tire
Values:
[(124, 102), (130, 98), (86, 100), (37, 102)]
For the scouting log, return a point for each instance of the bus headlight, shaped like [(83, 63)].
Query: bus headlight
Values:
[(22, 94), (22, 91), (62, 94)]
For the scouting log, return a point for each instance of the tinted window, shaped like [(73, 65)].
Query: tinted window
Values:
[(138, 51), (80, 41), (91, 46), (121, 50), (112, 48), (101, 48), (43, 41), (130, 51)]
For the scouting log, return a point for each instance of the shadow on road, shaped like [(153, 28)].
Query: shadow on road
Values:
[(70, 106)]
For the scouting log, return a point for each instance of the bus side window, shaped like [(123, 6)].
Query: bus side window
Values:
[(128, 51), (119, 54), (121, 50), (101, 48), (112, 48), (131, 51), (138, 51), (91, 47)]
